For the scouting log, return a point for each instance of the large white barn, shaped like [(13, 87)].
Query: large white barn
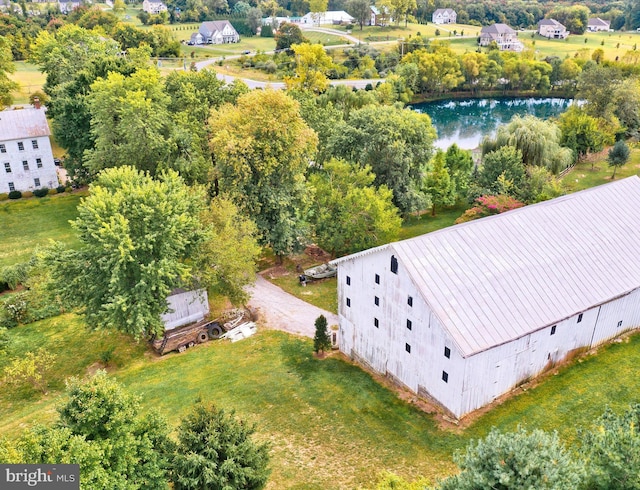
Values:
[(465, 314)]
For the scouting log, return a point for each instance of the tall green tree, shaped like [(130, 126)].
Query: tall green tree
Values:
[(618, 156), (360, 10), (288, 35), (139, 237), (312, 63), (216, 451), (459, 164), (439, 185), (262, 149), (348, 213), (6, 66), (516, 461), (581, 132), (504, 164), (397, 144), (321, 339)]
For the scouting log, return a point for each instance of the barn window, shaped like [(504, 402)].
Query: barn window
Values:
[(377, 278), (619, 323), (376, 300), (579, 317), (447, 352), (3, 148), (409, 324), (445, 376), (36, 182), (553, 330), (376, 323), (407, 347), (348, 301), (34, 143), (20, 146), (348, 281), (410, 301), (394, 264)]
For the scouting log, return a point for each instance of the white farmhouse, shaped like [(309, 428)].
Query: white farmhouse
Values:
[(444, 16), (218, 32), (26, 160), (335, 17), (465, 314), (596, 24), (153, 6), (552, 29)]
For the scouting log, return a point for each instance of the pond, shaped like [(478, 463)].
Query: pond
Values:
[(467, 121)]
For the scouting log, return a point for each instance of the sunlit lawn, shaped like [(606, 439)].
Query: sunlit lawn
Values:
[(30, 79)]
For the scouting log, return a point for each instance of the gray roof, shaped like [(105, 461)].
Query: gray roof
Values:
[(442, 11), (216, 25), (499, 278), (597, 21), (550, 22), (497, 29), (23, 123)]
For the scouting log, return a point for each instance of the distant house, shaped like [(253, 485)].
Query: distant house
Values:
[(218, 32), (505, 37), (444, 16), (597, 24), (153, 6), (380, 16), (329, 17), (67, 7), (467, 313), (26, 160), (552, 29)]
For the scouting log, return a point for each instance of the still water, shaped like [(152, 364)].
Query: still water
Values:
[(467, 121)]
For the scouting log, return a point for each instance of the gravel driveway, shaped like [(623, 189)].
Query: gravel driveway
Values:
[(282, 311)]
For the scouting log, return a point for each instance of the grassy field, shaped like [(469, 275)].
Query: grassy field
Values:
[(29, 223), (330, 424), (30, 79)]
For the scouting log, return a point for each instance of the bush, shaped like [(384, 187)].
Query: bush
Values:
[(27, 194), (60, 189), (15, 195), (43, 191), (52, 192), (266, 31), (4, 196)]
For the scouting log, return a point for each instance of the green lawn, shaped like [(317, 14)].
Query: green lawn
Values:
[(28, 223), (30, 79), (330, 424), (584, 176)]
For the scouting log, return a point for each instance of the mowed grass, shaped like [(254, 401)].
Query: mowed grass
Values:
[(29, 223), (30, 79), (585, 175), (330, 424)]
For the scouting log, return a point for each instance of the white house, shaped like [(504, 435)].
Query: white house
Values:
[(505, 37), (67, 7), (380, 16), (465, 314), (444, 16), (218, 32), (153, 6), (26, 160), (597, 24), (328, 17), (552, 29)]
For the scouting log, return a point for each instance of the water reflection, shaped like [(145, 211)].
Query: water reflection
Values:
[(467, 121)]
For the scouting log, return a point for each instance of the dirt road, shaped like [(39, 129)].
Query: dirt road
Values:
[(282, 311)]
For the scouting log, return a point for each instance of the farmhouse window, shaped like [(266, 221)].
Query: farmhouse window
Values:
[(619, 323), (579, 318), (34, 143), (25, 165), (553, 330), (349, 302), (348, 281), (36, 182), (394, 264), (445, 376), (409, 324), (377, 278), (376, 323), (39, 162), (20, 146), (410, 301), (7, 167), (11, 187), (447, 352), (376, 300), (407, 347), (3, 148)]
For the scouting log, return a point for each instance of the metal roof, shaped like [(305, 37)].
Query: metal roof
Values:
[(499, 278), (497, 29), (23, 123), (597, 21), (550, 22)]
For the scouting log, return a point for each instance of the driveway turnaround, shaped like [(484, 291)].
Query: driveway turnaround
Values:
[(282, 311)]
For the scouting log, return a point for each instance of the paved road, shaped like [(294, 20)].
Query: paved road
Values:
[(282, 311)]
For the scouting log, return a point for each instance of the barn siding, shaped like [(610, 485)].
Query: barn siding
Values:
[(184, 308)]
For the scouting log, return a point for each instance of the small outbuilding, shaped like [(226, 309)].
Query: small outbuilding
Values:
[(467, 313)]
